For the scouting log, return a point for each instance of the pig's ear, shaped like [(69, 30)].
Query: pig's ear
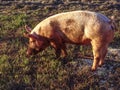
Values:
[(28, 29), (31, 36)]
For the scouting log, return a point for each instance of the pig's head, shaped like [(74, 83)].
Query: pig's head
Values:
[(36, 43)]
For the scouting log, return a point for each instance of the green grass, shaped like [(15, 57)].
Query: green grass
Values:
[(12, 21)]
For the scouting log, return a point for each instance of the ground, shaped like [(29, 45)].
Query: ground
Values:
[(44, 71)]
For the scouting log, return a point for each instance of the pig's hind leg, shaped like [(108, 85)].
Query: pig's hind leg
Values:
[(103, 54), (97, 53)]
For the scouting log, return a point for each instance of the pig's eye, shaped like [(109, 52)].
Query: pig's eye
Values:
[(32, 41), (32, 44)]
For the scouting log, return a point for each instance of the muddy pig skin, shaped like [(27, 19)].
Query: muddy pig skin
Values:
[(75, 27)]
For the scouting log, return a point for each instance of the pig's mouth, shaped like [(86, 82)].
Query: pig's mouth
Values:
[(31, 51)]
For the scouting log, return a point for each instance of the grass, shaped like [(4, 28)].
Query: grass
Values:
[(43, 71), (12, 21)]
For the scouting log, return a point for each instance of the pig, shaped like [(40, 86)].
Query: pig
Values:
[(75, 27)]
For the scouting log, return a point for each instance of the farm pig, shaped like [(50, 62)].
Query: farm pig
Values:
[(75, 27)]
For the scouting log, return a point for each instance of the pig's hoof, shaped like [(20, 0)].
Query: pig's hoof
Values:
[(100, 64), (93, 69)]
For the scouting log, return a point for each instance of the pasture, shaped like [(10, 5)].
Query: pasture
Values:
[(44, 71)]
